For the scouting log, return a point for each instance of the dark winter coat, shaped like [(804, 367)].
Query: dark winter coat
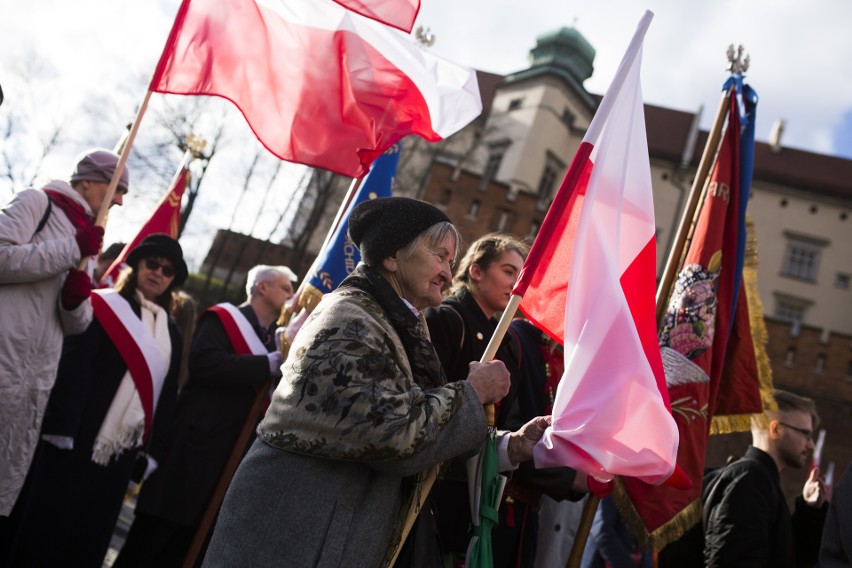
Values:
[(747, 522), (211, 411), (460, 332), (69, 505)]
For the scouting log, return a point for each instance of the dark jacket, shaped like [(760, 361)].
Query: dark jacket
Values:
[(460, 332), (747, 522), (69, 506), (211, 410), (836, 548)]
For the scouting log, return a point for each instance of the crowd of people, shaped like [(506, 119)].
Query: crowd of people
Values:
[(322, 454)]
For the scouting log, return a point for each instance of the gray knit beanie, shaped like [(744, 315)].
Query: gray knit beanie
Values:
[(98, 165)]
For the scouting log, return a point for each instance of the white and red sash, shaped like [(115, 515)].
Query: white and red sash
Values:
[(145, 362), (243, 337)]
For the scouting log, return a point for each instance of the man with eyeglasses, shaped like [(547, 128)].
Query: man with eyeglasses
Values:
[(746, 519), (234, 356), (44, 234)]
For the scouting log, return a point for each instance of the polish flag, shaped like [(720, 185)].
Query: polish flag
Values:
[(397, 13), (318, 84), (165, 219), (589, 280)]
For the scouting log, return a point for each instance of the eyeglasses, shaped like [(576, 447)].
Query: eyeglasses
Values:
[(806, 433), (154, 264)]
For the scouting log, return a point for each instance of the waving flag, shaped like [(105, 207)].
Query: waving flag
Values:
[(705, 337), (397, 13), (589, 281), (318, 84), (165, 219)]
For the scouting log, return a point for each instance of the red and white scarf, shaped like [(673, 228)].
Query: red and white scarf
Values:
[(145, 346), (240, 331)]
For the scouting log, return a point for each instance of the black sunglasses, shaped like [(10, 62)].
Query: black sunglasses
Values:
[(153, 264)]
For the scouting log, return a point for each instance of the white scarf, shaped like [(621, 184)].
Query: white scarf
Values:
[(124, 423)]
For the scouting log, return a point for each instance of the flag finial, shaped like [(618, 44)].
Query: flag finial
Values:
[(737, 64), (195, 145), (424, 36)]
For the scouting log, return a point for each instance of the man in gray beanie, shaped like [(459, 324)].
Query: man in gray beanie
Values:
[(44, 235)]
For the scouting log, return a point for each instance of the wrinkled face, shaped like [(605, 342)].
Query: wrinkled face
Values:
[(94, 193), (276, 289), (795, 443), (493, 285), (151, 277), (423, 275)]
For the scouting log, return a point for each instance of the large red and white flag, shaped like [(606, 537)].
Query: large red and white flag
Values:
[(318, 84), (589, 280), (397, 13), (165, 219)]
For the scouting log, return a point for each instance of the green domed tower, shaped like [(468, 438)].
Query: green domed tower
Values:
[(564, 53)]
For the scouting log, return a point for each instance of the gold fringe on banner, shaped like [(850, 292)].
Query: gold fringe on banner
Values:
[(760, 337), (667, 533), (310, 297)]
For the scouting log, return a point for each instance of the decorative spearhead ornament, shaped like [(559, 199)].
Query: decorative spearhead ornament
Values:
[(736, 62)]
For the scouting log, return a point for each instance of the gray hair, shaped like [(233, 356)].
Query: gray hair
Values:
[(432, 238), (262, 272)]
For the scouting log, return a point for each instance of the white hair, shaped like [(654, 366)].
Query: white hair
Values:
[(261, 272)]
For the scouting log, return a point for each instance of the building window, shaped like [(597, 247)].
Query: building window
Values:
[(503, 220), (515, 104), (547, 181), (446, 197), (820, 363), (800, 262), (491, 168), (791, 309), (474, 209), (568, 118), (801, 259), (841, 281), (789, 312), (790, 357), (535, 225)]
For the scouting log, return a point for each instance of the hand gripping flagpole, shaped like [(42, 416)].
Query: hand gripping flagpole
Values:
[(100, 220), (432, 474)]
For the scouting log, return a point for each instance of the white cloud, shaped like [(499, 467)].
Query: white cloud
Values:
[(799, 53)]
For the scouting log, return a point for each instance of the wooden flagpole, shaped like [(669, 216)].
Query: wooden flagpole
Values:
[(488, 355), (687, 218), (254, 413), (100, 220), (212, 509), (663, 291), (286, 311)]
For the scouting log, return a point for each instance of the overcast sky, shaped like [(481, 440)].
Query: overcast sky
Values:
[(800, 63)]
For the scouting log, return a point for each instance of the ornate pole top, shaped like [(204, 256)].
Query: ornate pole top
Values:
[(195, 145), (736, 62), (424, 36)]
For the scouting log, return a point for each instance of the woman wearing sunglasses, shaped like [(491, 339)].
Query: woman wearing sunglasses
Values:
[(115, 392)]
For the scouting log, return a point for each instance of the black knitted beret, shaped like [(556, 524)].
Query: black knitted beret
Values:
[(380, 227)]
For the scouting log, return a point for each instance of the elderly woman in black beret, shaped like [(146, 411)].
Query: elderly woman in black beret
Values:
[(363, 409), (115, 392)]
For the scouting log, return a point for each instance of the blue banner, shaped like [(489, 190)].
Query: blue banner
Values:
[(340, 257)]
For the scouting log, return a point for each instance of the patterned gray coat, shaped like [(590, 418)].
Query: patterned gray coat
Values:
[(338, 453)]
